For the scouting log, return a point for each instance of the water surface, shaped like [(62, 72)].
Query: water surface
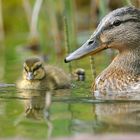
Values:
[(42, 114)]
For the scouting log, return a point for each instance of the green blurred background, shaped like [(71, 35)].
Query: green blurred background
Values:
[(51, 29), (37, 27)]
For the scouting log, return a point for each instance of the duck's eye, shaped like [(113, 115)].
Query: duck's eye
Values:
[(116, 22)]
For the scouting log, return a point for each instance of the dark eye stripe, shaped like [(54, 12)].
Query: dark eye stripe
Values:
[(25, 69), (132, 20), (37, 67), (128, 20)]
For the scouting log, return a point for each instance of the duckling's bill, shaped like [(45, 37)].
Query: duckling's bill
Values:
[(92, 46), (30, 76)]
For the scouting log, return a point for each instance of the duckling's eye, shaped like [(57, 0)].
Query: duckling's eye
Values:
[(116, 22)]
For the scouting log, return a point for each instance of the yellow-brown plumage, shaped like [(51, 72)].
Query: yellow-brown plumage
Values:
[(37, 76)]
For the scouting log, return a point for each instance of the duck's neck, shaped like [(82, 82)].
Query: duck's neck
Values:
[(128, 60)]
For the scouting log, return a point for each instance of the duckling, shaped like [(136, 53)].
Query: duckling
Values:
[(119, 30), (37, 76)]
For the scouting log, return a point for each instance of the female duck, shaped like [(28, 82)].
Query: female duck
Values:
[(119, 30), (37, 76)]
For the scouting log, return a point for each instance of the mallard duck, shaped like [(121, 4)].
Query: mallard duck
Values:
[(38, 76), (120, 30)]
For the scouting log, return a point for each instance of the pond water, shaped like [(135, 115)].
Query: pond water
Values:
[(43, 114)]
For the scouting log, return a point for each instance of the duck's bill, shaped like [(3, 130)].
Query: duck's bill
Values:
[(89, 48)]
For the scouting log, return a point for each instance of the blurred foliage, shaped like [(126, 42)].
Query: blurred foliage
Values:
[(80, 17), (16, 24), (14, 18)]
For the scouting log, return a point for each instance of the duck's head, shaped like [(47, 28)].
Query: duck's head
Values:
[(33, 69), (120, 29)]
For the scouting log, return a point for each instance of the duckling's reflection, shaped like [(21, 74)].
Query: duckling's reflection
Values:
[(35, 103)]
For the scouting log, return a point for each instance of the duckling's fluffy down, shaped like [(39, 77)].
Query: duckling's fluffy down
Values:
[(55, 78)]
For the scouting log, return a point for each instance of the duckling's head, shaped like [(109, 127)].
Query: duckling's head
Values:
[(33, 69), (120, 29)]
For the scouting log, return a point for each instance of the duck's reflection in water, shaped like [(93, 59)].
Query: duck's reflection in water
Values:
[(119, 116), (106, 117), (120, 109)]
